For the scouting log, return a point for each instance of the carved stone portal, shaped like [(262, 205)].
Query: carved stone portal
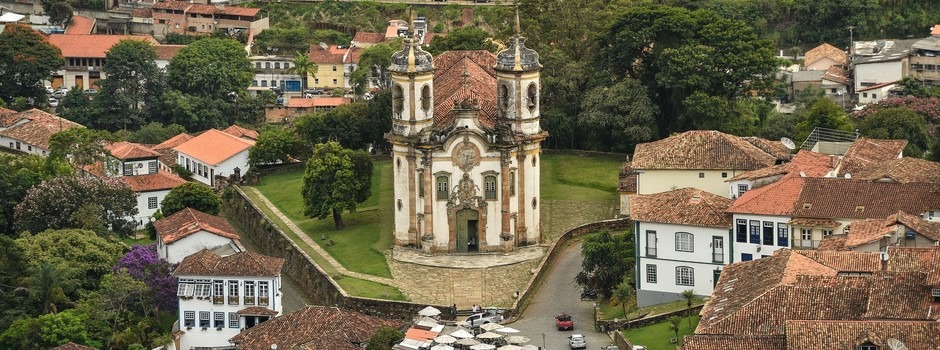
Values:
[(465, 195)]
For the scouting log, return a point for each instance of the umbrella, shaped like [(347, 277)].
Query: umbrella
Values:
[(510, 347), (530, 347), (491, 326), (461, 333), (516, 339), (429, 311), (442, 347), (507, 330), (489, 335), (445, 339), (467, 341), (483, 347)]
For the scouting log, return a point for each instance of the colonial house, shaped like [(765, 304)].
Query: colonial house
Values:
[(703, 159), (875, 93), (466, 148), (138, 167), (29, 131), (882, 61), (798, 212), (925, 60), (188, 231), (680, 243), (242, 133), (184, 17), (824, 300), (865, 151), (168, 155), (273, 72), (875, 235), (298, 106), (806, 163), (334, 65), (85, 56), (221, 296), (213, 153), (833, 82), (824, 56), (900, 170), (314, 328)]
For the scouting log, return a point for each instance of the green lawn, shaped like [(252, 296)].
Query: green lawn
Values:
[(656, 336), (610, 312), (369, 289), (580, 177)]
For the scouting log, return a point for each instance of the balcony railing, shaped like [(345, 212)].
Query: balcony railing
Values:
[(233, 299), (651, 251), (249, 300), (218, 299), (263, 301), (718, 257), (805, 244)]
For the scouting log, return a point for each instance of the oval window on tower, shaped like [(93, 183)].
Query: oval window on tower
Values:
[(532, 93), (503, 98), (397, 100), (426, 98)]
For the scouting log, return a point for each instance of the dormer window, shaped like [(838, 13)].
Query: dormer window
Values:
[(867, 346), (807, 205), (859, 208), (935, 293)]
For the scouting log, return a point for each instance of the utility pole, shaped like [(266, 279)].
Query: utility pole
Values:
[(851, 43)]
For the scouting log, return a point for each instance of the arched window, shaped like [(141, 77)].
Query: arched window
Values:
[(533, 95), (685, 242), (503, 98), (685, 276), (277, 65), (398, 100), (512, 183), (489, 187), (258, 65), (426, 98), (442, 187), (267, 65)]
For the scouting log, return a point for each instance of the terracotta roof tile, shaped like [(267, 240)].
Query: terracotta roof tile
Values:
[(189, 221), (813, 222), (368, 37), (926, 260), (864, 151), (807, 162), (838, 75), (40, 127), (834, 242), (686, 206), (173, 141), (331, 55), (238, 131), (162, 180), (814, 335), (213, 146), (822, 51), (223, 10), (778, 198), (627, 178), (902, 170), (774, 148), (167, 52), (313, 327), (172, 5), (248, 264), (124, 150), (734, 342), (299, 102), (91, 45), (353, 55), (704, 150), (142, 13), (900, 296), (80, 25), (464, 76), (257, 310), (845, 261), (73, 346)]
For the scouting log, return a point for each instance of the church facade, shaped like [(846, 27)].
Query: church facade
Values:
[(466, 146)]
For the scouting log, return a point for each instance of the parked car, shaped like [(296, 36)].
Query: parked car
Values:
[(49, 89), (588, 294), (313, 91), (90, 91), (59, 93), (612, 347), (577, 341), (482, 318), (53, 102), (564, 321)]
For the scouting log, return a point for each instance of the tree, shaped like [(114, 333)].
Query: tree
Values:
[(362, 169), (53, 204), (822, 114), (384, 338), (608, 260), (131, 67), (211, 68), (144, 264), (466, 38), (76, 106), (330, 183), (88, 255), (303, 66), (341, 124), (689, 296), (275, 145), (898, 123), (60, 13), (17, 175), (26, 59), (621, 115), (674, 322), (378, 120), (120, 312), (79, 147), (191, 195), (372, 70), (622, 296), (47, 285), (156, 132)]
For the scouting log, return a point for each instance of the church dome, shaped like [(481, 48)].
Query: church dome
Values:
[(517, 57), (411, 59)]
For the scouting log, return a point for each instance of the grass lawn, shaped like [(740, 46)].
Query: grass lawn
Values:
[(143, 240), (369, 289), (656, 336), (610, 312), (579, 177)]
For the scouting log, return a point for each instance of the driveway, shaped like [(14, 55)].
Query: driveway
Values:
[(558, 293)]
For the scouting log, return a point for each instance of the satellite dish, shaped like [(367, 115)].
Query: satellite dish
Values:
[(324, 46), (802, 174), (788, 143), (895, 344), (848, 176)]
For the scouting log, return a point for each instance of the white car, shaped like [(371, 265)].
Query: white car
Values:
[(577, 341), (53, 102)]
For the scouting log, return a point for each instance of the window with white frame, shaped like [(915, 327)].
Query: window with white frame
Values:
[(783, 234), (741, 189), (249, 292), (219, 318), (827, 232), (185, 290), (152, 167), (651, 273), (233, 292), (151, 202), (651, 243), (218, 291), (263, 293), (233, 320), (128, 169), (204, 319), (684, 242), (203, 290), (189, 319), (685, 276)]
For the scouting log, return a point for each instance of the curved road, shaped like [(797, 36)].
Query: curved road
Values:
[(558, 293)]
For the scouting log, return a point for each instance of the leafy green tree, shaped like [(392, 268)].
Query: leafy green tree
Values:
[(66, 201), (674, 322), (622, 296), (121, 312), (86, 254), (194, 112), (466, 38), (23, 334), (17, 175), (330, 183), (362, 169), (828, 20), (913, 87), (341, 124), (608, 261), (302, 65), (378, 120), (373, 68), (275, 145), (210, 68), (79, 147), (155, 132), (823, 114), (689, 296), (26, 59), (60, 13), (64, 327), (131, 67), (564, 80), (47, 286), (898, 123), (384, 338), (191, 195), (621, 114), (76, 106)]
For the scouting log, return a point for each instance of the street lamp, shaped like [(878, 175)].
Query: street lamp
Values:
[(543, 341)]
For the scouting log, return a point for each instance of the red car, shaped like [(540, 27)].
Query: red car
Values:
[(564, 321)]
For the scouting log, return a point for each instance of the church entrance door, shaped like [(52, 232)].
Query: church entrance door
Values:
[(467, 231)]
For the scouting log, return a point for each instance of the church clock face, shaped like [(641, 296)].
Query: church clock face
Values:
[(466, 156)]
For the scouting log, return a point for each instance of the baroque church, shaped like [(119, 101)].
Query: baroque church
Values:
[(466, 147)]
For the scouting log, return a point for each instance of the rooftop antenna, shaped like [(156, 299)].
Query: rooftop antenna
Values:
[(895, 344)]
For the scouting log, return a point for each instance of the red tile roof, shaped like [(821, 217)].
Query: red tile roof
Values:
[(143, 13), (837, 74), (124, 150), (223, 10), (171, 5), (703, 150), (686, 206), (40, 127), (247, 264), (368, 37), (926, 260), (902, 170), (173, 141), (331, 55), (91, 45), (464, 76), (778, 198), (815, 335), (823, 51), (167, 52), (935, 30), (865, 151), (734, 342), (257, 310), (627, 178), (877, 86), (80, 25), (807, 162), (299, 102), (189, 221), (238, 131), (162, 180), (313, 328), (213, 147)]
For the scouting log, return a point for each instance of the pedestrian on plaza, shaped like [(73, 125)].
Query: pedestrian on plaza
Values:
[(475, 309), (453, 311)]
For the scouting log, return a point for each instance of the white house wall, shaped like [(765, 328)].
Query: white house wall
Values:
[(656, 181), (144, 212), (225, 168), (758, 250), (878, 73), (176, 251), (197, 337), (24, 147)]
